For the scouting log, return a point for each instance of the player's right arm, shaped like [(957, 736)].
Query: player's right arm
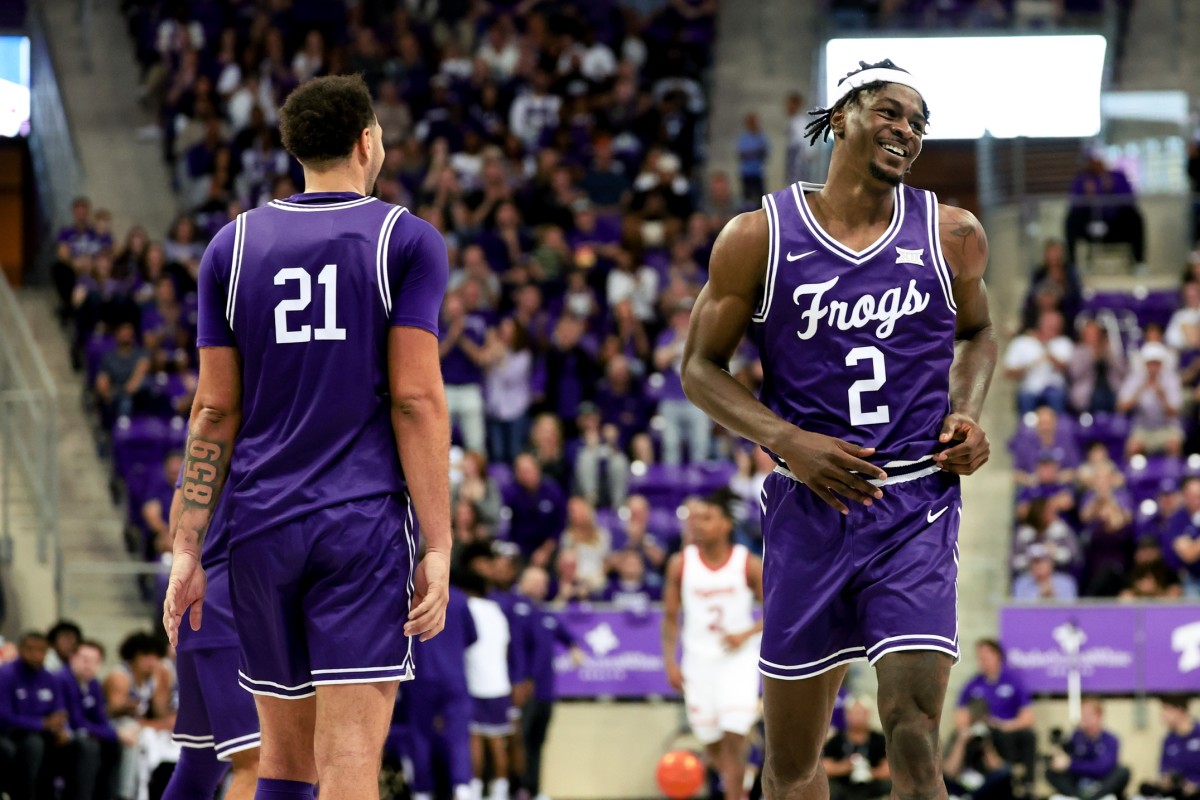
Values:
[(420, 419), (672, 605), (720, 318)]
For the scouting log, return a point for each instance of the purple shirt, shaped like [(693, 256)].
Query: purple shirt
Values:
[(544, 631), (28, 696), (629, 411), (84, 242), (307, 290), (443, 657), (1005, 698), (1093, 758), (517, 611), (1181, 755), (1027, 447), (631, 597), (1181, 524), (672, 385), (457, 367), (86, 704), (536, 516)]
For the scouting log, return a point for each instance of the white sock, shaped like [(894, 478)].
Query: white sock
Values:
[(476, 788), (422, 796), (461, 792), (500, 789)]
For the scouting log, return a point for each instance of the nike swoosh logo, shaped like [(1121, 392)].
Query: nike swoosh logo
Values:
[(795, 257), (932, 517)]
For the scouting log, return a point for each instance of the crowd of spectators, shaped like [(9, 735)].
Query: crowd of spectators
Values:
[(1106, 458), (69, 731), (555, 145)]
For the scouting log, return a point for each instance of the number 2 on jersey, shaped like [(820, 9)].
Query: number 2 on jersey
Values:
[(881, 414), (329, 330)]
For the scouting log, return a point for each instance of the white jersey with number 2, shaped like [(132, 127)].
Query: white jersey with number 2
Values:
[(717, 600)]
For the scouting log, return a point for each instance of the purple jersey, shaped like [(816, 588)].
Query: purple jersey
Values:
[(1181, 755), (858, 345), (1005, 697), (307, 289)]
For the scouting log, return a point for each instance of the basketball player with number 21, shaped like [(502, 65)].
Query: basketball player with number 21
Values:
[(866, 300)]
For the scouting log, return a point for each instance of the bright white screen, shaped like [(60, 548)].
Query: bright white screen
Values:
[(1036, 86)]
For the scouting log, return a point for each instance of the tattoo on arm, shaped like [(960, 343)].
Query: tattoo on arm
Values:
[(206, 465)]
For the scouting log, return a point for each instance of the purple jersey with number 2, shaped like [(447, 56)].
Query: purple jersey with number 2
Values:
[(307, 289), (858, 345)]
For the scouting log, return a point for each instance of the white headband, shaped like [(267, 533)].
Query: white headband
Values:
[(852, 82)]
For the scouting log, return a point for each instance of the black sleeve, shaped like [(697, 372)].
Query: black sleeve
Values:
[(835, 748), (877, 752)]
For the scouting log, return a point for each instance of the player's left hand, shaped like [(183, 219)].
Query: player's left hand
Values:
[(972, 449), (185, 588), (431, 594)]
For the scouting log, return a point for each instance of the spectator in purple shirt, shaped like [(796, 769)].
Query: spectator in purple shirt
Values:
[(74, 241), (100, 750), (1103, 209), (538, 511), (1085, 766), (462, 348), (1047, 436), (34, 720), (545, 632), (1179, 768), (1182, 544), (1010, 708), (629, 589), (621, 400)]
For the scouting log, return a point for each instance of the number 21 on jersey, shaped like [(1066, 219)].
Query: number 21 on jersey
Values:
[(329, 329)]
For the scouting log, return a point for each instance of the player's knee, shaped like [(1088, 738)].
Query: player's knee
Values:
[(787, 772), (245, 762)]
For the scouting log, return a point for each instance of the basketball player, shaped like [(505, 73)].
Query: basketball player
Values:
[(318, 320), (866, 300), (216, 726), (716, 583)]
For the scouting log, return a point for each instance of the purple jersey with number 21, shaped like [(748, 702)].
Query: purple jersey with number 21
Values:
[(307, 289)]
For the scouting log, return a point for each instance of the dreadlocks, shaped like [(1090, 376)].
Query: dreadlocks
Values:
[(821, 125)]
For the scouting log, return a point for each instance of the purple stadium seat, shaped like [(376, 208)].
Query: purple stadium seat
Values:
[(1145, 474), (138, 440)]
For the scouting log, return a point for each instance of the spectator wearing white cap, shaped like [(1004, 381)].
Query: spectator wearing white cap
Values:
[(1041, 581), (1153, 396)]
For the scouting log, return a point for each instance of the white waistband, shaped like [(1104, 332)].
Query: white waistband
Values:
[(903, 477)]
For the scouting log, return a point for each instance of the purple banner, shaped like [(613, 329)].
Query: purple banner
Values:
[(1172, 648), (623, 654), (1117, 649)]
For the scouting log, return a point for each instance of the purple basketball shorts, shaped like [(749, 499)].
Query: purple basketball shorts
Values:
[(323, 599), (213, 712), (490, 716), (847, 588)]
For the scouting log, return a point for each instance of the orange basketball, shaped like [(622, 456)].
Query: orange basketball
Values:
[(680, 774)]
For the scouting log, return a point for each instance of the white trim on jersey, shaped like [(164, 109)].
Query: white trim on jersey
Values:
[(926, 647), (814, 663), (381, 252), (407, 676), (235, 269), (410, 526), (187, 737), (891, 479), (905, 637), (283, 205), (940, 267), (856, 257), (296, 688), (764, 305)]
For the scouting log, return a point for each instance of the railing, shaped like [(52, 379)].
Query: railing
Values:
[(28, 431), (58, 175)]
